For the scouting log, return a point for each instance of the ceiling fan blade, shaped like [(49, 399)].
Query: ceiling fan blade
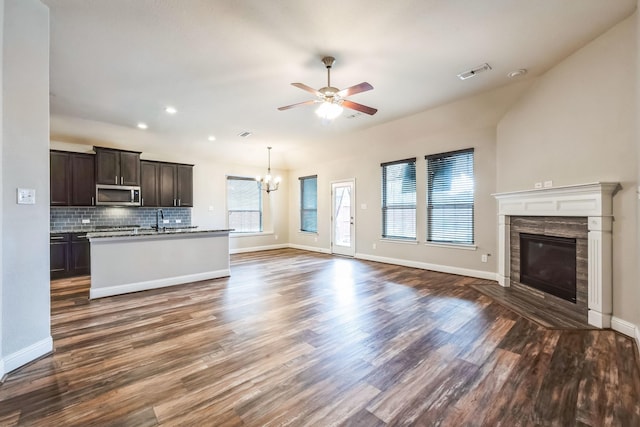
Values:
[(362, 87), (297, 105), (307, 88), (359, 107)]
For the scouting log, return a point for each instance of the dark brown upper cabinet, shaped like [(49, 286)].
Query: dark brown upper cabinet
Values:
[(184, 185), (59, 178), (149, 183), (83, 184), (72, 179), (117, 167), (166, 184)]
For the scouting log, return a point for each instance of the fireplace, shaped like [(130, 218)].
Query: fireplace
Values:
[(591, 207), (548, 263)]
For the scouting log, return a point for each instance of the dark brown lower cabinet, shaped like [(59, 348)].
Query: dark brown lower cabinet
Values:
[(59, 251), (70, 255)]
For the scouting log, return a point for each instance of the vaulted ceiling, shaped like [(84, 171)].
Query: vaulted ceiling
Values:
[(227, 65)]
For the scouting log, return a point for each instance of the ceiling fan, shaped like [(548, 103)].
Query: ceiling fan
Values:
[(332, 98)]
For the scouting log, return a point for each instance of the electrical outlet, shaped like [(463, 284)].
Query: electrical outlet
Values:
[(484, 258), (363, 206), (537, 185), (86, 221), (210, 208), (548, 184), (178, 221), (315, 239), (275, 236), (165, 221), (373, 246)]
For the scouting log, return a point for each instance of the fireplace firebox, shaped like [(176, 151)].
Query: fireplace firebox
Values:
[(548, 263)]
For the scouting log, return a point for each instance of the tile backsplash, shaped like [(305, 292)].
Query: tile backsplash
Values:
[(69, 218)]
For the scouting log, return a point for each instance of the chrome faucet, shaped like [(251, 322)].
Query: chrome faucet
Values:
[(161, 215)]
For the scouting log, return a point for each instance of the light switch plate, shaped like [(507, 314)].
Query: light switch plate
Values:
[(26, 196)]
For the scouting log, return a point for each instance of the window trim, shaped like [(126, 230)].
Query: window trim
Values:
[(385, 207), (302, 209)]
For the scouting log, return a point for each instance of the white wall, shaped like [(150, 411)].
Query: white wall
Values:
[(25, 164), (2, 369), (469, 123), (577, 125), (637, 137)]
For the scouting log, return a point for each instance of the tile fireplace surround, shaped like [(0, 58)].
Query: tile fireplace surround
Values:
[(593, 201)]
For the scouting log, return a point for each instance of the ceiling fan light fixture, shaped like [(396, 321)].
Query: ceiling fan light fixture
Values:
[(329, 110)]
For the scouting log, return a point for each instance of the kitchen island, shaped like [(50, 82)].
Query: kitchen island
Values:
[(138, 260)]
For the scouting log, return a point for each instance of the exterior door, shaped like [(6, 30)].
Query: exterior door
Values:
[(343, 218)]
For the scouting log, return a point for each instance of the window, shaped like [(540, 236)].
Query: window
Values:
[(450, 197), (399, 199), (244, 204), (309, 203)]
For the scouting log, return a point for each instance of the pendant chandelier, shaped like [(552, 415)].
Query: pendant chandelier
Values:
[(268, 183)]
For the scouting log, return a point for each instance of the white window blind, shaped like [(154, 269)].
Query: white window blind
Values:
[(450, 197), (309, 203), (244, 204), (399, 199)]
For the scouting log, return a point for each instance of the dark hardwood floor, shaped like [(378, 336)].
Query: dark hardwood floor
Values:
[(298, 338)]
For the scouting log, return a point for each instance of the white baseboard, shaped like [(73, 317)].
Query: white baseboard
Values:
[(258, 248), (28, 354), (627, 328), (157, 283), (309, 248), (489, 275)]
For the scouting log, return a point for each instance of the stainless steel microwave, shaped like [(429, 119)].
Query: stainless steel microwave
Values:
[(117, 195)]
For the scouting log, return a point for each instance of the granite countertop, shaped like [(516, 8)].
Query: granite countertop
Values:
[(151, 232), (94, 229)]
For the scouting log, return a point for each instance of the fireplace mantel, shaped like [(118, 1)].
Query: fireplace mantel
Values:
[(594, 201)]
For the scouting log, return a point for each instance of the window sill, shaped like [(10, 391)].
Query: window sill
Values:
[(252, 234), (463, 246), (315, 233), (401, 241)]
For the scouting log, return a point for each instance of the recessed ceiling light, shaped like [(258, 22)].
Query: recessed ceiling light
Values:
[(211, 138), (170, 110), (517, 73), (142, 125)]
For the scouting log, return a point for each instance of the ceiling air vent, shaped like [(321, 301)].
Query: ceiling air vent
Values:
[(244, 134), (472, 72)]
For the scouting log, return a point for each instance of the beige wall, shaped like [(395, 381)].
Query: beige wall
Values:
[(469, 123), (577, 125), (636, 319), (25, 164)]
